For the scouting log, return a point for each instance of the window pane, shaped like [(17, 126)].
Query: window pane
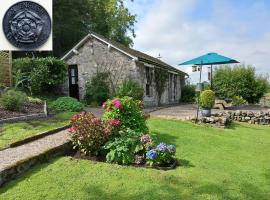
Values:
[(73, 81), (72, 72)]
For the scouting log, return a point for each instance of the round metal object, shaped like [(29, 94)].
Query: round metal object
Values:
[(27, 25)]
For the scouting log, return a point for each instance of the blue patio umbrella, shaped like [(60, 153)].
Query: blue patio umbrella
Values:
[(209, 59)]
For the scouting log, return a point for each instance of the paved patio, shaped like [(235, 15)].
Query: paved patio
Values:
[(180, 112)]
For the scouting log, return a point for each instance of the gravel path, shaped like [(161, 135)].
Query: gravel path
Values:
[(11, 156)]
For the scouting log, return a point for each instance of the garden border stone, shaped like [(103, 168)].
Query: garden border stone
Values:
[(39, 136)]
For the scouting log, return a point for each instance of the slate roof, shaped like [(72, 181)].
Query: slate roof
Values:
[(137, 54)]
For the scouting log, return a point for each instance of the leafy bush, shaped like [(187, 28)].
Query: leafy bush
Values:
[(132, 89), (162, 154), (188, 94), (39, 74), (3, 88), (97, 90), (207, 99), (238, 101), (89, 133), (67, 104), (13, 100), (122, 149), (128, 112), (35, 100), (239, 80)]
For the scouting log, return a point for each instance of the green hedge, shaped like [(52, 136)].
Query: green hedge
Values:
[(39, 75)]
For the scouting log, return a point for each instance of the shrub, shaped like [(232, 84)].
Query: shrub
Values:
[(188, 94), (35, 100), (122, 149), (162, 154), (132, 89), (13, 100), (239, 80), (39, 74), (67, 104), (97, 90), (89, 133), (238, 101), (128, 112), (207, 99)]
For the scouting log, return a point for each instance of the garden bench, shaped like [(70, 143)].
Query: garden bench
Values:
[(221, 104)]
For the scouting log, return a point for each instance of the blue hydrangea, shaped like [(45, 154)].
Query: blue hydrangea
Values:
[(171, 148), (162, 147), (152, 154)]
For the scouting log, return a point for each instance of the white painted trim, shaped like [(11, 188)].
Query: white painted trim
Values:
[(173, 72), (75, 47), (149, 65), (133, 57), (93, 35)]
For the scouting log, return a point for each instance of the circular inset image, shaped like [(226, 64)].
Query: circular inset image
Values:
[(27, 25)]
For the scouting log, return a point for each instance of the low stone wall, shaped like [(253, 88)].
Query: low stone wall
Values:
[(216, 121), (262, 118), (24, 118)]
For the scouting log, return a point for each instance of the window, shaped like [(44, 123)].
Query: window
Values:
[(149, 78)]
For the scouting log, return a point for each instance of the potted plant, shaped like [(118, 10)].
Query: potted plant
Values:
[(207, 102)]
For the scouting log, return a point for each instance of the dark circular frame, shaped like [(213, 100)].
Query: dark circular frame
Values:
[(31, 46)]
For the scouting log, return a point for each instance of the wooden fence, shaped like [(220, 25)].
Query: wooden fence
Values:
[(5, 69)]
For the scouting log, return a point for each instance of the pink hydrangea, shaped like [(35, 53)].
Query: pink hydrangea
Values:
[(104, 105), (117, 103), (72, 130), (115, 122)]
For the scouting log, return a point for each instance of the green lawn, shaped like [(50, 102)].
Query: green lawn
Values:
[(218, 164), (14, 132)]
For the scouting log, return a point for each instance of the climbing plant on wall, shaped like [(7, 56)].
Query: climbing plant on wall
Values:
[(161, 78)]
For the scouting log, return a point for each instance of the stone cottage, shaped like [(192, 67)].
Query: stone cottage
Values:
[(94, 54)]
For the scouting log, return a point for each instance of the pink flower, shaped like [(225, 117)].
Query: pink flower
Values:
[(96, 121), (115, 122), (104, 105), (72, 130), (117, 103)]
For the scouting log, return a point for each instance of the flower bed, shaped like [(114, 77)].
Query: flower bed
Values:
[(120, 137), (28, 109)]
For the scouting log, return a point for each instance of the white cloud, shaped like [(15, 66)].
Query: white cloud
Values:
[(168, 29)]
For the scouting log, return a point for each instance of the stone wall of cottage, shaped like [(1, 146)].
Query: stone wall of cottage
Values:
[(96, 56)]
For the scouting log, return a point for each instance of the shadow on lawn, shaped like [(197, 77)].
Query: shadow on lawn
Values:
[(185, 163), (164, 137)]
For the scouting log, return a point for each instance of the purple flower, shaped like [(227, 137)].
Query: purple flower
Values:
[(171, 148), (145, 139), (152, 154), (162, 147)]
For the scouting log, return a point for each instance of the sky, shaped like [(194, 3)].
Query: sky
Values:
[(180, 30)]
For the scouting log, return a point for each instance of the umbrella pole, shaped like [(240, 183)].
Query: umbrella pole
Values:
[(198, 99), (211, 77)]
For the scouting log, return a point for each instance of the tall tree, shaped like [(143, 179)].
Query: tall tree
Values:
[(74, 19)]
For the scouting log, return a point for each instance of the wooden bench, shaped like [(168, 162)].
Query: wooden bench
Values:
[(221, 104)]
